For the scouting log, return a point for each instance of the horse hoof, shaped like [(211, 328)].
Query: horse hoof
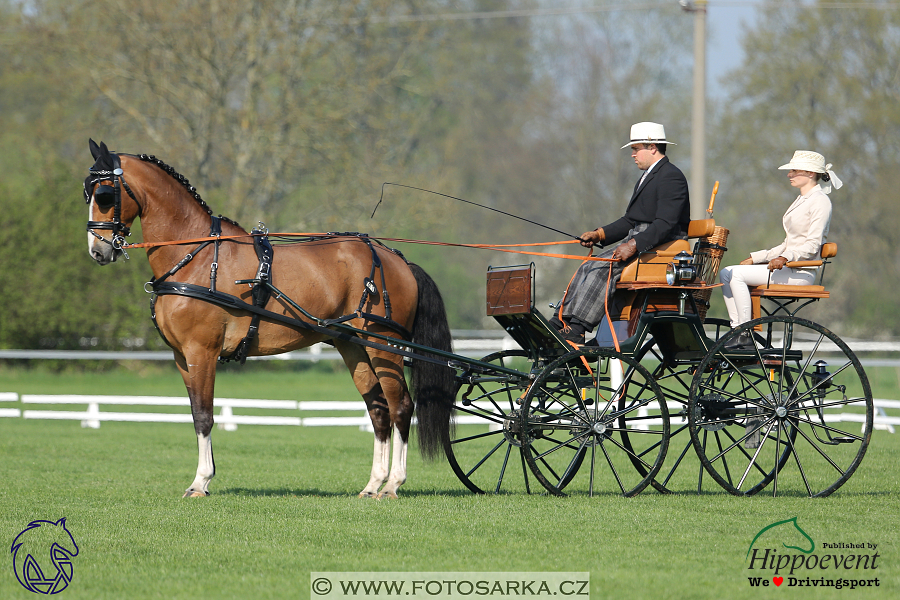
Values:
[(367, 495), (387, 496), (195, 494)]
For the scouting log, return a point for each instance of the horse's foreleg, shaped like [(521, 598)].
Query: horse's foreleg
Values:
[(199, 378)]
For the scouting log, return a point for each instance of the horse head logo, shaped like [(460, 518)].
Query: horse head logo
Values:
[(42, 547), (788, 530)]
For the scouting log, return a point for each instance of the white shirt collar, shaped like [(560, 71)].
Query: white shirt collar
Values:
[(650, 168)]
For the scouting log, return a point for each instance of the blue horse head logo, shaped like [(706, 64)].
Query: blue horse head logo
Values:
[(42, 556)]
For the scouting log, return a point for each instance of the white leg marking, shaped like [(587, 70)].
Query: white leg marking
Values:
[(380, 462), (398, 468), (206, 468)]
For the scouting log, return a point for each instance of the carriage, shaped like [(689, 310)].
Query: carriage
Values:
[(608, 417), (619, 417)]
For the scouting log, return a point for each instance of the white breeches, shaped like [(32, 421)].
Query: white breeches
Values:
[(737, 278)]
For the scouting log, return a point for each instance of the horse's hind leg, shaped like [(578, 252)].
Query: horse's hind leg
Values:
[(199, 376), (389, 370), (367, 384)]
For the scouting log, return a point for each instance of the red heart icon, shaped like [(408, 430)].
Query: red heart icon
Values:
[(778, 580)]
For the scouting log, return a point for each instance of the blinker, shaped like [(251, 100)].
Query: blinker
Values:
[(105, 196)]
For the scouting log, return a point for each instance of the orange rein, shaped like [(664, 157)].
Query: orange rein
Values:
[(497, 247)]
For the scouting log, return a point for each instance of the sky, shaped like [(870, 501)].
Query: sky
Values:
[(723, 30)]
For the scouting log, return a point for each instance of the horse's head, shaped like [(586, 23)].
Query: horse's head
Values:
[(107, 212)]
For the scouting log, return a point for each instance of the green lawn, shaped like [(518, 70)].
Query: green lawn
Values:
[(284, 505)]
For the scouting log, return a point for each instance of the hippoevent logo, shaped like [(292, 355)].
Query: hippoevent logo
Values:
[(42, 556), (782, 553)]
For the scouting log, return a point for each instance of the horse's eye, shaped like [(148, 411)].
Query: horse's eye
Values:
[(105, 196)]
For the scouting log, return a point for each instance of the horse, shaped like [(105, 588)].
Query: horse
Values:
[(323, 277)]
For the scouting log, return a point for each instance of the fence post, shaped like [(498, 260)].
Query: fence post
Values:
[(92, 411), (226, 412)]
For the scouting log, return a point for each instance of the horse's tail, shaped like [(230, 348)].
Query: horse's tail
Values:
[(433, 385)]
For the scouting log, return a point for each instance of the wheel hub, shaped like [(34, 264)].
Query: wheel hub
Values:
[(710, 411), (512, 430)]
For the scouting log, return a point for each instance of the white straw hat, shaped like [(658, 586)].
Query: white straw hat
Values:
[(648, 133), (806, 160)]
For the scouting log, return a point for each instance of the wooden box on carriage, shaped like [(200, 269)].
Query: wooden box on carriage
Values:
[(510, 290)]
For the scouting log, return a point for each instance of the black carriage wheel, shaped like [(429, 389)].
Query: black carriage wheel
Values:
[(781, 413), (675, 382), (484, 448), (572, 414)]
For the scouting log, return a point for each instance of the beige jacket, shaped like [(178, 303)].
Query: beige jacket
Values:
[(806, 224)]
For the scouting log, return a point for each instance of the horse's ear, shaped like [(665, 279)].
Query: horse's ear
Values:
[(95, 149), (103, 149)]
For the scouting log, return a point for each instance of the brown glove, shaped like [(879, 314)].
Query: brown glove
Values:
[(777, 263), (590, 238), (625, 251)]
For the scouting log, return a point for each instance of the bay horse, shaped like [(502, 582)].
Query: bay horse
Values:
[(325, 277)]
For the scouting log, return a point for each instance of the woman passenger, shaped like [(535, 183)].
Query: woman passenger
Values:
[(806, 227)]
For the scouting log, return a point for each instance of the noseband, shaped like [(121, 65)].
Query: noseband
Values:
[(106, 196)]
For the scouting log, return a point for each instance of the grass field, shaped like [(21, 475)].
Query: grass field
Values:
[(284, 504)]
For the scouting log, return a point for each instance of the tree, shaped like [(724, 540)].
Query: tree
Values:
[(826, 80)]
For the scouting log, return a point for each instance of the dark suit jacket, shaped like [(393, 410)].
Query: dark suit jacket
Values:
[(662, 201)]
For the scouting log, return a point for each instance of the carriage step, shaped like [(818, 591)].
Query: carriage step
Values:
[(843, 440)]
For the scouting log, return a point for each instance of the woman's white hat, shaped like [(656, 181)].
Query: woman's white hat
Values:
[(648, 133), (806, 160)]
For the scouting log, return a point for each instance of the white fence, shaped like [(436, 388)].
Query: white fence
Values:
[(92, 416)]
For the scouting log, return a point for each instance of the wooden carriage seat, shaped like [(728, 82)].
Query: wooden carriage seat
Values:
[(650, 267), (786, 293)]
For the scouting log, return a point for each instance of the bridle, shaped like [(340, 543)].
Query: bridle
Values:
[(107, 196)]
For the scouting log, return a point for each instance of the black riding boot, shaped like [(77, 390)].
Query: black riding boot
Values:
[(573, 331)]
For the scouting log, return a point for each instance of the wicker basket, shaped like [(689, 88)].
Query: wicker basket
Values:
[(708, 254)]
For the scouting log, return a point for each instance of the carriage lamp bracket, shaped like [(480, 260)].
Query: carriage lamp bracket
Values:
[(822, 380), (682, 270)]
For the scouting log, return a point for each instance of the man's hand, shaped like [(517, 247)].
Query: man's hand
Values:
[(747, 261), (625, 251), (777, 263), (590, 238)]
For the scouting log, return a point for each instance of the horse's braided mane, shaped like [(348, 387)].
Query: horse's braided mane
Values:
[(184, 181)]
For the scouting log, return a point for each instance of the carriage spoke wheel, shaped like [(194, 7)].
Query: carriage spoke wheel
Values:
[(485, 449), (575, 415), (786, 413), (675, 382)]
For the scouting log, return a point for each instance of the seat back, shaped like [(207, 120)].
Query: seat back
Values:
[(829, 250), (650, 267), (701, 228)]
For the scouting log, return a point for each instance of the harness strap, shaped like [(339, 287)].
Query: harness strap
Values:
[(369, 287), (199, 292), (215, 230), (260, 294)]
